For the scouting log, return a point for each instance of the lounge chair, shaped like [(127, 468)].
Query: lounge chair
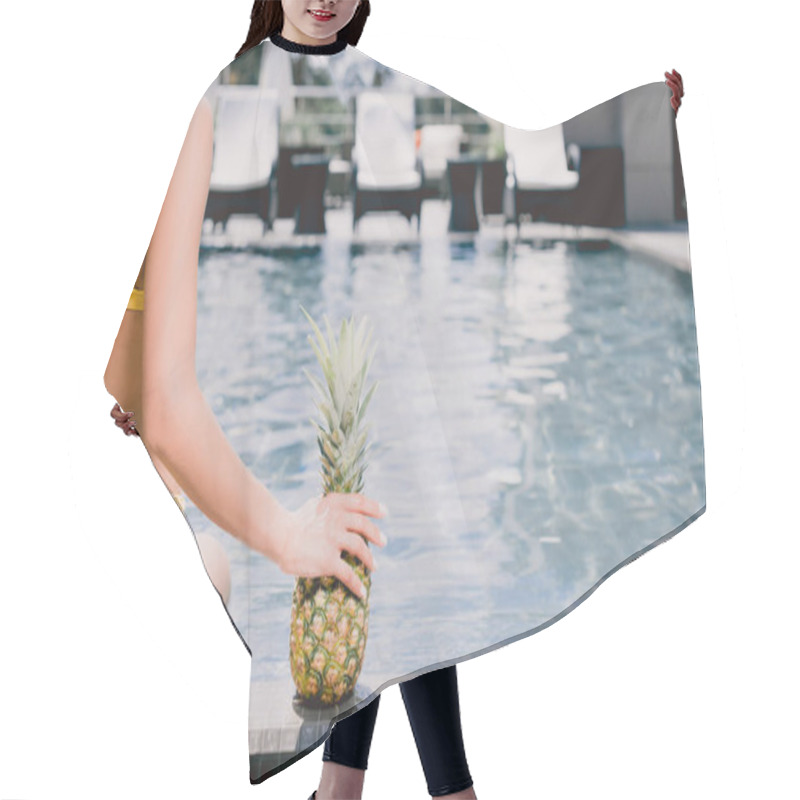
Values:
[(245, 162), (544, 172), (387, 172), (438, 143)]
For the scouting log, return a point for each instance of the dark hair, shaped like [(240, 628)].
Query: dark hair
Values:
[(266, 18)]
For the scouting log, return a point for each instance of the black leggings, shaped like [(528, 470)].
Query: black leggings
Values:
[(432, 705)]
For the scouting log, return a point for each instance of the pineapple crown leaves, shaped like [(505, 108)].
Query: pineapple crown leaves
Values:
[(344, 366)]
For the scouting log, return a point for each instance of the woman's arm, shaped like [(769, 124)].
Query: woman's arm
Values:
[(175, 422), (123, 380), (178, 427)]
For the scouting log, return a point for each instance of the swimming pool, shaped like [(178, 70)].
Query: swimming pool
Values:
[(555, 430)]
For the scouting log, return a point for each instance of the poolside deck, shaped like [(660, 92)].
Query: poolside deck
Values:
[(666, 243), (281, 730)]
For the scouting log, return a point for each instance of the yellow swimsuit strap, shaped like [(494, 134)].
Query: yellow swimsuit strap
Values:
[(180, 500), (136, 302)]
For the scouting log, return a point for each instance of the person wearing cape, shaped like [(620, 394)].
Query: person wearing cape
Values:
[(527, 403)]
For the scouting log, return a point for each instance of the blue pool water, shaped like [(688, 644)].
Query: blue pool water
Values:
[(556, 390)]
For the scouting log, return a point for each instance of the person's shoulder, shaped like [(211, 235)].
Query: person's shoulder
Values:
[(203, 117), (201, 125), (204, 107)]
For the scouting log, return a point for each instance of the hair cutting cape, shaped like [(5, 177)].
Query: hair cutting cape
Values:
[(521, 305)]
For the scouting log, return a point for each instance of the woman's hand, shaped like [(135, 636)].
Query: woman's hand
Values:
[(675, 82), (315, 535), (124, 420)]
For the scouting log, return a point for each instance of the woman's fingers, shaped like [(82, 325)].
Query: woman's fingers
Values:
[(320, 531), (357, 502), (124, 420), (120, 416), (675, 83), (347, 575), (355, 545), (361, 524)]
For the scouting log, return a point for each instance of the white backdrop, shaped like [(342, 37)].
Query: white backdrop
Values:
[(120, 674)]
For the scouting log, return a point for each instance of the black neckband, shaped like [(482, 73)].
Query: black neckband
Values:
[(310, 49)]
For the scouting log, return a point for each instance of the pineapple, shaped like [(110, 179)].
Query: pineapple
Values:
[(329, 623)]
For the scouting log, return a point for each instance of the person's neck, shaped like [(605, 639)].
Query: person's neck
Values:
[(282, 40)]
